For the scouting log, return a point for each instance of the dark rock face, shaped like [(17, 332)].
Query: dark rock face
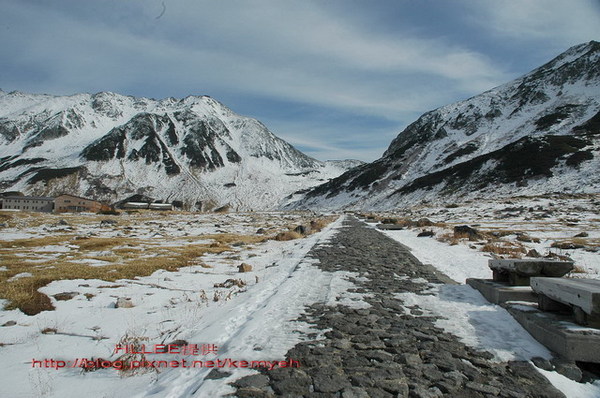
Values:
[(530, 157), (9, 130), (147, 127), (387, 350), (183, 150), (50, 174), (110, 146)]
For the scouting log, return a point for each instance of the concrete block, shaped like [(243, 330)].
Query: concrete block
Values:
[(558, 333), (391, 227), (583, 293), (497, 292), (518, 271)]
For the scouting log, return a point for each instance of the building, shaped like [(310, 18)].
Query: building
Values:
[(28, 203), (160, 206), (144, 205), (70, 203)]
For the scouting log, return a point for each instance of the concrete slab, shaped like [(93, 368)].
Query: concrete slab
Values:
[(518, 271), (498, 292), (389, 226), (558, 333), (584, 293)]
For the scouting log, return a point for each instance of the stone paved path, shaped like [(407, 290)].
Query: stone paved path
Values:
[(381, 351)]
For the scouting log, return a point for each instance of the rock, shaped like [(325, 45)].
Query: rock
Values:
[(108, 223), (567, 245), (521, 237), (431, 372), (178, 343), (567, 369), (252, 392), (302, 229), (217, 374), (411, 360), (329, 383), (424, 336), (354, 392), (391, 227), (232, 282), (389, 221), (533, 253), (581, 235), (261, 231), (243, 267), (422, 392), (65, 296), (486, 389), (256, 381), (424, 222), (542, 363), (222, 209), (377, 355), (465, 230), (293, 385), (425, 234), (394, 386), (123, 302)]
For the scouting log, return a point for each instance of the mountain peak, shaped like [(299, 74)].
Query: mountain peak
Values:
[(534, 134), (108, 146)]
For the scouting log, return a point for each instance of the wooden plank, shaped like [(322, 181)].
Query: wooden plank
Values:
[(583, 293)]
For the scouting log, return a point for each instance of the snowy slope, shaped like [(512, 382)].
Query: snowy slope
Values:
[(110, 146), (536, 134)]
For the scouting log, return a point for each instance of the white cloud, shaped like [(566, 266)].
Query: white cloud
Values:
[(563, 23), (286, 51)]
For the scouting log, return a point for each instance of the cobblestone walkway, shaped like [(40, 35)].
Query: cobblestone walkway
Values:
[(382, 351)]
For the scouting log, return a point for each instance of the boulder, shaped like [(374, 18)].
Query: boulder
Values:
[(302, 229), (243, 267), (471, 233), (108, 223), (65, 296), (124, 302)]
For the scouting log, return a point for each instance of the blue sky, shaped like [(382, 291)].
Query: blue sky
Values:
[(336, 78)]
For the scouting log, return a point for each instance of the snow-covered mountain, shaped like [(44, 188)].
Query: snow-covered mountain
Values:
[(109, 146), (534, 135)]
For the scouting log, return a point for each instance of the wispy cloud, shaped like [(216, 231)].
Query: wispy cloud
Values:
[(558, 22), (300, 52)]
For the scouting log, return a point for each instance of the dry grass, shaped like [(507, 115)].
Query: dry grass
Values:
[(126, 263), (322, 222), (287, 235), (578, 269), (579, 242), (504, 249), (36, 242), (127, 257), (23, 294), (448, 238), (229, 239)]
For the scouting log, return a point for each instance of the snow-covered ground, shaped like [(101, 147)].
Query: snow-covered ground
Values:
[(521, 224), (467, 314), (249, 318), (249, 322)]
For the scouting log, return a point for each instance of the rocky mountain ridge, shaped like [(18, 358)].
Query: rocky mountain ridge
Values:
[(109, 146), (534, 135)]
